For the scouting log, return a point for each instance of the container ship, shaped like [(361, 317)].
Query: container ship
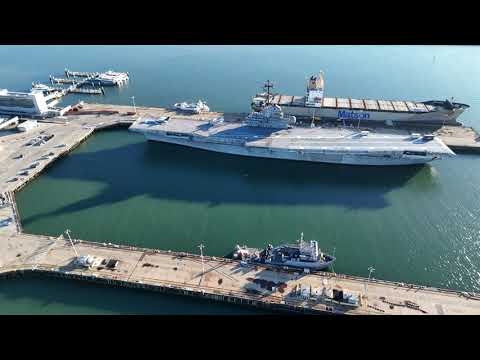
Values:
[(315, 105)]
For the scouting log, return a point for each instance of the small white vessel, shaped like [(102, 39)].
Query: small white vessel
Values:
[(42, 88), (196, 108)]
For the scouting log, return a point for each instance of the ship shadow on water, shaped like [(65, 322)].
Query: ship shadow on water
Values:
[(172, 172)]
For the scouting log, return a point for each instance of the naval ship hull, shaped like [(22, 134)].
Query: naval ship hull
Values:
[(291, 154)]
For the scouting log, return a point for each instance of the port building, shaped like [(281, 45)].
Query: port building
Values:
[(20, 103), (29, 104)]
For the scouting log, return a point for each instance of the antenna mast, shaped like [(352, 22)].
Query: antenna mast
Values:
[(300, 242), (370, 270), (333, 269), (268, 85)]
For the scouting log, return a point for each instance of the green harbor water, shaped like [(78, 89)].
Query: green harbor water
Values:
[(413, 224)]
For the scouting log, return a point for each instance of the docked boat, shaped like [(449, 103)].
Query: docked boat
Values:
[(270, 133), (302, 255), (109, 78), (316, 105), (42, 88), (195, 108)]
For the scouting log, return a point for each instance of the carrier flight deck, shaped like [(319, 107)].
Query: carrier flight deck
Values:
[(317, 144)]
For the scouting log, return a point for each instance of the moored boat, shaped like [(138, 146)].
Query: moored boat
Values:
[(301, 255), (270, 133), (316, 105), (195, 108)]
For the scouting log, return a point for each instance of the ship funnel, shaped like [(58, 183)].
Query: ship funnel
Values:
[(315, 89), (316, 82), (314, 245)]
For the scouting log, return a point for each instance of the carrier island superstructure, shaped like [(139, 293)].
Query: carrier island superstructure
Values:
[(272, 134), (315, 104)]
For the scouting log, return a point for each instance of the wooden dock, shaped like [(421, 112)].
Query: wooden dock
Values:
[(181, 273)]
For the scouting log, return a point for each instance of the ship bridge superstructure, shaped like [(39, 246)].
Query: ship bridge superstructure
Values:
[(315, 90)]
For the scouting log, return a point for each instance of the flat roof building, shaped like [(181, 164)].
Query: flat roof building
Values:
[(21, 103)]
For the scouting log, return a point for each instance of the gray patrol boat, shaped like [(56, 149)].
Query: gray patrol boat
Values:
[(301, 255), (270, 133)]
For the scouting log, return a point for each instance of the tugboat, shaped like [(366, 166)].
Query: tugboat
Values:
[(301, 255), (199, 107)]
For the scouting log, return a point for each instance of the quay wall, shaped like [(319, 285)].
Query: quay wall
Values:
[(328, 275), (237, 298)]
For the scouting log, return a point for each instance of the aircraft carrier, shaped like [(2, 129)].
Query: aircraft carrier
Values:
[(272, 134)]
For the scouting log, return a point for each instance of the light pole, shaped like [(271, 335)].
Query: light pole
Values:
[(71, 242), (333, 269), (201, 246), (370, 270), (134, 107)]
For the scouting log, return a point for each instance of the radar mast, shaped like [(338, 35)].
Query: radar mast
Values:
[(268, 85)]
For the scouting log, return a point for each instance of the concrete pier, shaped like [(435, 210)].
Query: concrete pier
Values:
[(223, 279), (25, 155)]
